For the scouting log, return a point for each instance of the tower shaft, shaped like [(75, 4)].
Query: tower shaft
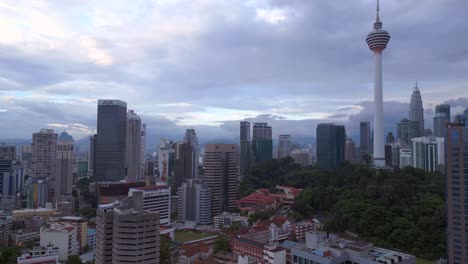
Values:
[(379, 149)]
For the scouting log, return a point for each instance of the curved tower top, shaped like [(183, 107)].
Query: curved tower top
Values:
[(378, 39)]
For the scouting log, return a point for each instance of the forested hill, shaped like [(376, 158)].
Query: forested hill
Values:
[(402, 209)]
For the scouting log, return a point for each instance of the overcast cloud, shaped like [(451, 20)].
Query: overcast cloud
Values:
[(210, 63)]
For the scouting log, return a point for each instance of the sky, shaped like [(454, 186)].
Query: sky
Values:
[(207, 64)]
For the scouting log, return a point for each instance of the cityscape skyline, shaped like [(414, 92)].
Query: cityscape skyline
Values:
[(35, 86)]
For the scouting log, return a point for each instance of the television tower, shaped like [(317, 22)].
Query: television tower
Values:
[(377, 41)]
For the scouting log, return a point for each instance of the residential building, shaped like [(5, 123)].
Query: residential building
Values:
[(192, 139), (37, 192), (301, 157), (273, 254), (133, 146), (166, 157), (262, 143), (111, 142), (428, 153), (6, 224), (416, 110), (156, 198), (11, 182), (44, 157), (226, 219), (91, 238), (64, 167), (194, 253), (62, 236), (126, 232), (183, 164), (365, 141), (221, 175), (407, 130), (81, 225), (441, 119), (245, 148), (299, 229), (350, 151), (92, 155), (456, 145), (253, 250), (284, 146), (40, 255), (406, 157), (330, 145), (194, 203)]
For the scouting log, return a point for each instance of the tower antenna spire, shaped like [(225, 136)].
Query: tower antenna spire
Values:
[(378, 11)]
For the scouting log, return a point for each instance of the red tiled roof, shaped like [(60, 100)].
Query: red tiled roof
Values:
[(279, 220), (191, 250), (258, 197)]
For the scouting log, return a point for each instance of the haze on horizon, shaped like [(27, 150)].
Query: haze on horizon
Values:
[(207, 64)]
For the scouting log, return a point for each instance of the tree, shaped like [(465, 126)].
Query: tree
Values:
[(221, 244), (74, 260), (9, 255)]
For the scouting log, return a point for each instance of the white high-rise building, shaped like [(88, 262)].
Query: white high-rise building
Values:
[(133, 148), (156, 198), (63, 236), (377, 41), (44, 147), (428, 153), (284, 146)]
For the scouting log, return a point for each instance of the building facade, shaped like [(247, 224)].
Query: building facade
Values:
[(64, 167), (416, 110), (407, 130), (245, 148), (192, 139), (284, 146), (183, 164), (111, 141), (330, 145), (44, 157), (156, 198), (365, 140), (133, 146), (301, 156), (262, 143), (441, 119), (194, 203), (428, 153), (350, 151), (62, 236), (221, 175)]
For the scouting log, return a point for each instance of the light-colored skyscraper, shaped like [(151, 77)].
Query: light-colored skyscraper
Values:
[(428, 153), (301, 156), (64, 167), (221, 175), (350, 151), (133, 148), (111, 140), (441, 119), (416, 110), (156, 198), (245, 148), (166, 155), (194, 203), (377, 41), (44, 157), (284, 146), (191, 137)]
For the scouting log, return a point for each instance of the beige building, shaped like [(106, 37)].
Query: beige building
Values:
[(221, 174), (81, 225), (126, 233), (44, 146)]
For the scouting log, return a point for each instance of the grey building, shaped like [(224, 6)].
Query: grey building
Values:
[(262, 143), (194, 203), (350, 151), (365, 147), (191, 138), (284, 146), (183, 164), (221, 175), (133, 147), (126, 233), (91, 155), (428, 153), (407, 130), (441, 119), (301, 156), (64, 167), (7, 151), (111, 140), (44, 157), (330, 145), (245, 149), (416, 110)]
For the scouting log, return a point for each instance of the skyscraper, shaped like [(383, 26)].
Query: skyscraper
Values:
[(330, 145), (407, 130), (350, 151), (143, 149), (441, 119), (194, 203), (377, 41), (245, 148), (428, 153), (191, 137), (416, 110), (8, 151), (111, 140), (221, 175), (365, 143), (44, 147), (166, 155), (64, 167), (133, 146), (183, 164), (92, 155), (456, 143), (284, 146), (262, 143)]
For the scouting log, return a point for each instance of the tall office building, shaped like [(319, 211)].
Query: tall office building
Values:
[(44, 157), (330, 145), (390, 138), (365, 140), (133, 146), (194, 203), (221, 175), (127, 233), (143, 149), (301, 157), (8, 151), (456, 143), (284, 146), (416, 110), (245, 149), (262, 143), (428, 153), (111, 140), (407, 130), (441, 119), (191, 137), (91, 155), (350, 151), (377, 41), (64, 167), (166, 160), (183, 164), (11, 182)]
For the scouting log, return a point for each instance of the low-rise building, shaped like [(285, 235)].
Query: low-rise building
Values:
[(40, 255), (62, 236), (273, 254), (156, 198), (226, 219), (192, 253), (81, 225), (23, 237), (299, 229)]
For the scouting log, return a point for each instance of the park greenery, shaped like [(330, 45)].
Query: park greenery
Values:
[(398, 209)]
